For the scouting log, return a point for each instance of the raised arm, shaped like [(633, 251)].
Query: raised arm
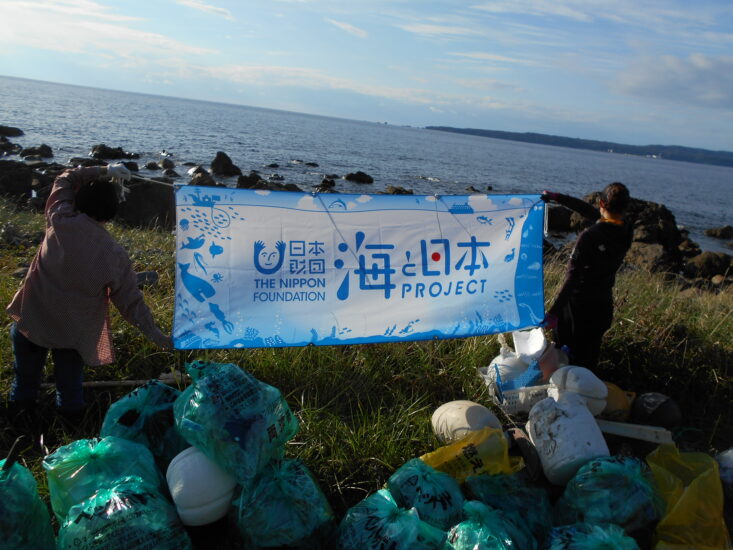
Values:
[(580, 206)]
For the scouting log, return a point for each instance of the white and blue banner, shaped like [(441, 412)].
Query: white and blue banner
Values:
[(268, 268)]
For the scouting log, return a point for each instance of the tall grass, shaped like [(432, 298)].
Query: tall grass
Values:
[(365, 410)]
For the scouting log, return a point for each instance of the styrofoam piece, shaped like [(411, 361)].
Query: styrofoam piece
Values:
[(581, 381), (565, 435), (636, 431), (518, 401), (201, 490), (529, 344), (456, 419)]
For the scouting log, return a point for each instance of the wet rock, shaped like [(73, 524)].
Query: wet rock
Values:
[(148, 205), (83, 161), (327, 182), (397, 190), (359, 177), (102, 151), (312, 164), (725, 232), (16, 178), (332, 176), (32, 158), (171, 173), (166, 163), (197, 169), (152, 165), (189, 163), (652, 257), (689, 248), (131, 166), (43, 151), (9, 148), (146, 278), (204, 179), (223, 166), (10, 131), (249, 181), (275, 177), (273, 165), (708, 264)]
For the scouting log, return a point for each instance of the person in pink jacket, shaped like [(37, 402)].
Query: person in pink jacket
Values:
[(63, 303)]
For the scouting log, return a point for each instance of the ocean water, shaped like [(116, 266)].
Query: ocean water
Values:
[(71, 119)]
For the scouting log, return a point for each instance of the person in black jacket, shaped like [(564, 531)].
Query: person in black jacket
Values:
[(583, 310)]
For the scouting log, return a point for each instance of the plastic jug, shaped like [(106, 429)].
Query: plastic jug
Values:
[(565, 435)]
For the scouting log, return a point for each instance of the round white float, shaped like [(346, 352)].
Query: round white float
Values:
[(456, 419), (583, 382)]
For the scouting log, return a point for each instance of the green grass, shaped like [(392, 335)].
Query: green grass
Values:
[(365, 410)]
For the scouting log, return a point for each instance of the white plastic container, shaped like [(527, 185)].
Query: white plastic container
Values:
[(581, 381), (201, 490), (565, 435), (456, 419), (507, 365), (529, 344)]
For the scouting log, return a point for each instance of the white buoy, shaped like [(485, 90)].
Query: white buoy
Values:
[(565, 435), (456, 419), (581, 381), (201, 490)]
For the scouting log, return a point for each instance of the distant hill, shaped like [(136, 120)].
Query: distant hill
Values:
[(669, 152)]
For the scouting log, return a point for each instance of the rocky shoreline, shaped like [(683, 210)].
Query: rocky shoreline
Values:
[(659, 245)]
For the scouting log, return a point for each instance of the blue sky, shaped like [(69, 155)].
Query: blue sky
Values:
[(632, 71)]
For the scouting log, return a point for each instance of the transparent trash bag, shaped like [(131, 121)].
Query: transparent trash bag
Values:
[(77, 470), (234, 419), (525, 505), (485, 451), (486, 528), (24, 520), (285, 507), (435, 495), (377, 523), (618, 490), (128, 515), (145, 416), (584, 536), (690, 486)]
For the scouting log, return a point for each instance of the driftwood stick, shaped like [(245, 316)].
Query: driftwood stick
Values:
[(171, 378)]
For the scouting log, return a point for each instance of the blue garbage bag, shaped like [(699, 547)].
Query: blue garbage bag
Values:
[(128, 515), (377, 523), (145, 416), (487, 528), (24, 520), (435, 495), (236, 420)]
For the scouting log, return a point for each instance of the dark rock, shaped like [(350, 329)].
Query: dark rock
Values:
[(652, 257), (708, 264), (472, 189), (324, 189), (146, 278), (558, 217), (43, 151), (397, 190), (248, 182), (689, 248), (16, 178), (326, 182), (132, 166), (223, 166), (332, 176), (32, 158), (276, 177), (359, 177), (10, 131), (166, 164), (489, 187), (729, 245), (171, 173), (189, 163), (204, 179), (82, 161), (725, 232), (152, 165), (9, 148), (197, 170), (273, 165), (312, 164), (102, 151), (148, 205)]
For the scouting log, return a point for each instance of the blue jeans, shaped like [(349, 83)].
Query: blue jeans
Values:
[(28, 366)]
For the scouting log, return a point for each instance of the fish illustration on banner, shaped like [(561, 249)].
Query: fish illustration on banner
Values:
[(293, 269)]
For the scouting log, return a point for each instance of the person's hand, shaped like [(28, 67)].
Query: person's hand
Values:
[(548, 196), (119, 172), (550, 321)]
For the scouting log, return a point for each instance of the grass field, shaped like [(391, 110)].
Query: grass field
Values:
[(365, 410)]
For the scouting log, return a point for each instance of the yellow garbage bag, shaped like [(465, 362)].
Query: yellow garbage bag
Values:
[(484, 451), (690, 485)]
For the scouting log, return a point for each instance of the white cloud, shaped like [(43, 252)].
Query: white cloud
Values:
[(515, 201), (364, 198), (429, 29), (351, 29), (307, 202), (700, 80), (484, 56), (208, 8), (481, 203), (263, 192)]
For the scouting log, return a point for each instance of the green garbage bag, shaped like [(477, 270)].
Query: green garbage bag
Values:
[(377, 523), (127, 515), (528, 507), (487, 528), (435, 495), (614, 489), (234, 419), (584, 536), (145, 416), (77, 470), (285, 507), (24, 520)]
